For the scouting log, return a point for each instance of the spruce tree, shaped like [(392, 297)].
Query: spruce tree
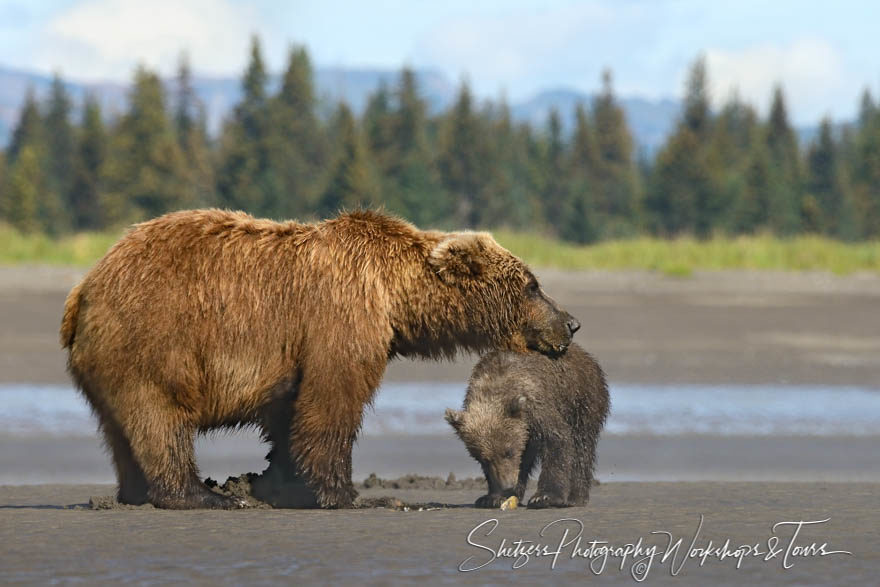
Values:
[(352, 182), (556, 170), (785, 173), (378, 123), (25, 184), (91, 152), (751, 211), (684, 195), (617, 187), (298, 151), (145, 170), (823, 197), (60, 142), (733, 132), (246, 179), (186, 103), (29, 130), (464, 159), (190, 127), (3, 184), (697, 116), (514, 187), (585, 148), (579, 216), (411, 179), (867, 109), (866, 176)]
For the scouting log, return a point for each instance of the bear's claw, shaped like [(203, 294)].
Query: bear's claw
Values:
[(544, 500), (489, 501)]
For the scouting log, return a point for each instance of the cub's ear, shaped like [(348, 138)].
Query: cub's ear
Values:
[(461, 255), (516, 406), (455, 418)]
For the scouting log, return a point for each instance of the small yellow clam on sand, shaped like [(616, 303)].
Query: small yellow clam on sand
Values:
[(510, 503)]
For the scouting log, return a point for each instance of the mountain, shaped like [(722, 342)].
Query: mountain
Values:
[(219, 95), (650, 120)]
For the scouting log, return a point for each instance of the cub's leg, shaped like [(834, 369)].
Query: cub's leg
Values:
[(555, 478), (527, 465), (582, 475)]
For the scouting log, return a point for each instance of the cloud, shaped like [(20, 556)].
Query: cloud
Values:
[(526, 49), (105, 39), (810, 71)]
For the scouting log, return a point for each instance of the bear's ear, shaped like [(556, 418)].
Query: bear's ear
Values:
[(455, 418), (516, 406), (460, 256)]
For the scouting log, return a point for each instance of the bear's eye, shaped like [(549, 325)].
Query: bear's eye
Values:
[(509, 454), (533, 288)]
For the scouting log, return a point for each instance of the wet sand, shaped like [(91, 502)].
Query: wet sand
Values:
[(729, 327), (46, 539), (62, 460), (713, 327)]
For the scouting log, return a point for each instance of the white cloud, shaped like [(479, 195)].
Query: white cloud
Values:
[(810, 71), (105, 39), (529, 49)]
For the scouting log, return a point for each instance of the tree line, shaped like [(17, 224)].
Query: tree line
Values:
[(728, 172)]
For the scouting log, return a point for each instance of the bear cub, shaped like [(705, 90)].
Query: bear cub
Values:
[(524, 407)]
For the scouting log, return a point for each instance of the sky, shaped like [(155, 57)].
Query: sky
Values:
[(824, 57)]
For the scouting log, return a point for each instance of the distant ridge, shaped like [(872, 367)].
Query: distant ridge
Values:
[(650, 121)]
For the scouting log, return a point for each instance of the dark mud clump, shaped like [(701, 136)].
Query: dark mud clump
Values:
[(267, 490), (276, 488), (108, 502)]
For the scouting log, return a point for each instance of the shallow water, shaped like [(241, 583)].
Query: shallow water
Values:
[(417, 408)]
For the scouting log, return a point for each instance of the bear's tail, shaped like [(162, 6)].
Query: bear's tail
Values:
[(71, 314)]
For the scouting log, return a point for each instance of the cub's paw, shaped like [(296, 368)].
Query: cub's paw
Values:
[(489, 501), (546, 500)]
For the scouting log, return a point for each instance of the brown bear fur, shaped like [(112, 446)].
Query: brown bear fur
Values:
[(524, 407), (207, 319)]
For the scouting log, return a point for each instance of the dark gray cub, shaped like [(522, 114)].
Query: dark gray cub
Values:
[(524, 407)]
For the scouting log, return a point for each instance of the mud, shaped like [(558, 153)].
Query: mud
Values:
[(269, 490)]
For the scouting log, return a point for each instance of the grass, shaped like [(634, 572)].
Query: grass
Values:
[(681, 256), (79, 250), (678, 257)]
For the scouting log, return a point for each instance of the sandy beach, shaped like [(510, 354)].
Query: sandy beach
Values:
[(735, 328), (712, 327), (48, 536)]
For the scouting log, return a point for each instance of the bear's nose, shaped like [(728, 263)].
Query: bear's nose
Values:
[(573, 325)]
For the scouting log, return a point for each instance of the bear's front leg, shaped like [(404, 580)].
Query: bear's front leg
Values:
[(327, 415), (526, 465), (554, 481)]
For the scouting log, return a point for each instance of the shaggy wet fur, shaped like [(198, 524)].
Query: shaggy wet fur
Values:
[(524, 407), (207, 319)]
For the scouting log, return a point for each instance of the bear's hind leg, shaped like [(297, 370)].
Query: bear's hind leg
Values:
[(161, 441), (132, 482), (132, 485)]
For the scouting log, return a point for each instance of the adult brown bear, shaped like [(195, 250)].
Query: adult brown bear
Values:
[(206, 319)]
